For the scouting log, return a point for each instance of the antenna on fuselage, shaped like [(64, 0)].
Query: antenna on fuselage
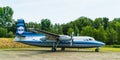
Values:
[(77, 34), (72, 38)]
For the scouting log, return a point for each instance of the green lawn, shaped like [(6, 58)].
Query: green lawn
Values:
[(110, 49), (103, 49)]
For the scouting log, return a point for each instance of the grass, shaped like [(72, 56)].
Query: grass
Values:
[(9, 43), (110, 49), (102, 49)]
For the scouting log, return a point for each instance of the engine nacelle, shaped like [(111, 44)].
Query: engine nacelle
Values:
[(64, 38), (43, 38)]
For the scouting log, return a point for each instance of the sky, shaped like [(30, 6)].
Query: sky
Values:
[(62, 11)]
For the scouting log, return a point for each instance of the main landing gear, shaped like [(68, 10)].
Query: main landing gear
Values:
[(53, 49), (63, 49), (55, 44)]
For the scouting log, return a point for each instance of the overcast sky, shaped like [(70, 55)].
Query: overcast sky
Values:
[(62, 11)]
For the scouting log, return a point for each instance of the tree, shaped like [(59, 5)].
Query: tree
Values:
[(33, 25), (83, 22), (65, 28), (105, 22), (6, 14), (70, 30), (100, 34), (76, 30), (57, 28), (10, 34), (116, 27), (45, 24), (98, 22), (78, 24), (87, 31), (13, 27), (3, 32), (117, 19), (111, 36)]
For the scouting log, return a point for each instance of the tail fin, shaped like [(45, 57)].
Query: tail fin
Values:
[(20, 28)]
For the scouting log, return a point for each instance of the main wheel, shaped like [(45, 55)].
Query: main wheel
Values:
[(53, 49), (62, 49)]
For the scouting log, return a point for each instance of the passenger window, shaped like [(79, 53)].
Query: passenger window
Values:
[(86, 40)]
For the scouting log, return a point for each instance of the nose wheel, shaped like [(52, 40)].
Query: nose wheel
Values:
[(97, 49)]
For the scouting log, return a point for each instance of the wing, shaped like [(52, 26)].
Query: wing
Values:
[(50, 36)]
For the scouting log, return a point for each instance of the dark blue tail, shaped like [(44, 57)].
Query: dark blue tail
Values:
[(20, 28)]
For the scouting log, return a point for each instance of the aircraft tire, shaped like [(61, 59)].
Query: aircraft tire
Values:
[(62, 49), (96, 50), (53, 49)]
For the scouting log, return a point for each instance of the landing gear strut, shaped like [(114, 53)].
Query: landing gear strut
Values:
[(53, 49), (62, 49), (97, 49), (55, 46)]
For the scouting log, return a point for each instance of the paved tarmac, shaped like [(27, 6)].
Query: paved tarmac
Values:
[(46, 54)]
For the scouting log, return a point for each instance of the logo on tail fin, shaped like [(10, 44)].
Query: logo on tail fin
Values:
[(20, 30)]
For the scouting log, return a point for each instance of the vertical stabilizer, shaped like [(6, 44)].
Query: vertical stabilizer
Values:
[(20, 28)]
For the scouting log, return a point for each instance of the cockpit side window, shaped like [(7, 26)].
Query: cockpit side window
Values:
[(90, 39)]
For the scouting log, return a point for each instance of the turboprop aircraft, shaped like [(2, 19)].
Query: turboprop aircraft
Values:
[(56, 41)]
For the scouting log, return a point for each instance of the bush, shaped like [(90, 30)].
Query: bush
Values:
[(3, 32), (10, 34), (116, 46)]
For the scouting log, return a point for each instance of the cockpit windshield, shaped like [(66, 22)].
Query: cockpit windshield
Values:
[(91, 39)]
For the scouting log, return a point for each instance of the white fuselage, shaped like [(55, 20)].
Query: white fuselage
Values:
[(78, 41)]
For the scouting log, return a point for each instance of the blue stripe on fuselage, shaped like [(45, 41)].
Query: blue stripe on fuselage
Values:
[(68, 42)]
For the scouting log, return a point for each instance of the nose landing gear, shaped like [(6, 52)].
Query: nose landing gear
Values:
[(97, 49)]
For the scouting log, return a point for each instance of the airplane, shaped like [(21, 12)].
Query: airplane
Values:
[(57, 41)]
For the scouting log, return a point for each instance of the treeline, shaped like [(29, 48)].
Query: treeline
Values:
[(101, 29)]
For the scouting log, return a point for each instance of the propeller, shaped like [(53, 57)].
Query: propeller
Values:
[(72, 34)]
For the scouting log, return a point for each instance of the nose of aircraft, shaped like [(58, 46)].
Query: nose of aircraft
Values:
[(100, 43)]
